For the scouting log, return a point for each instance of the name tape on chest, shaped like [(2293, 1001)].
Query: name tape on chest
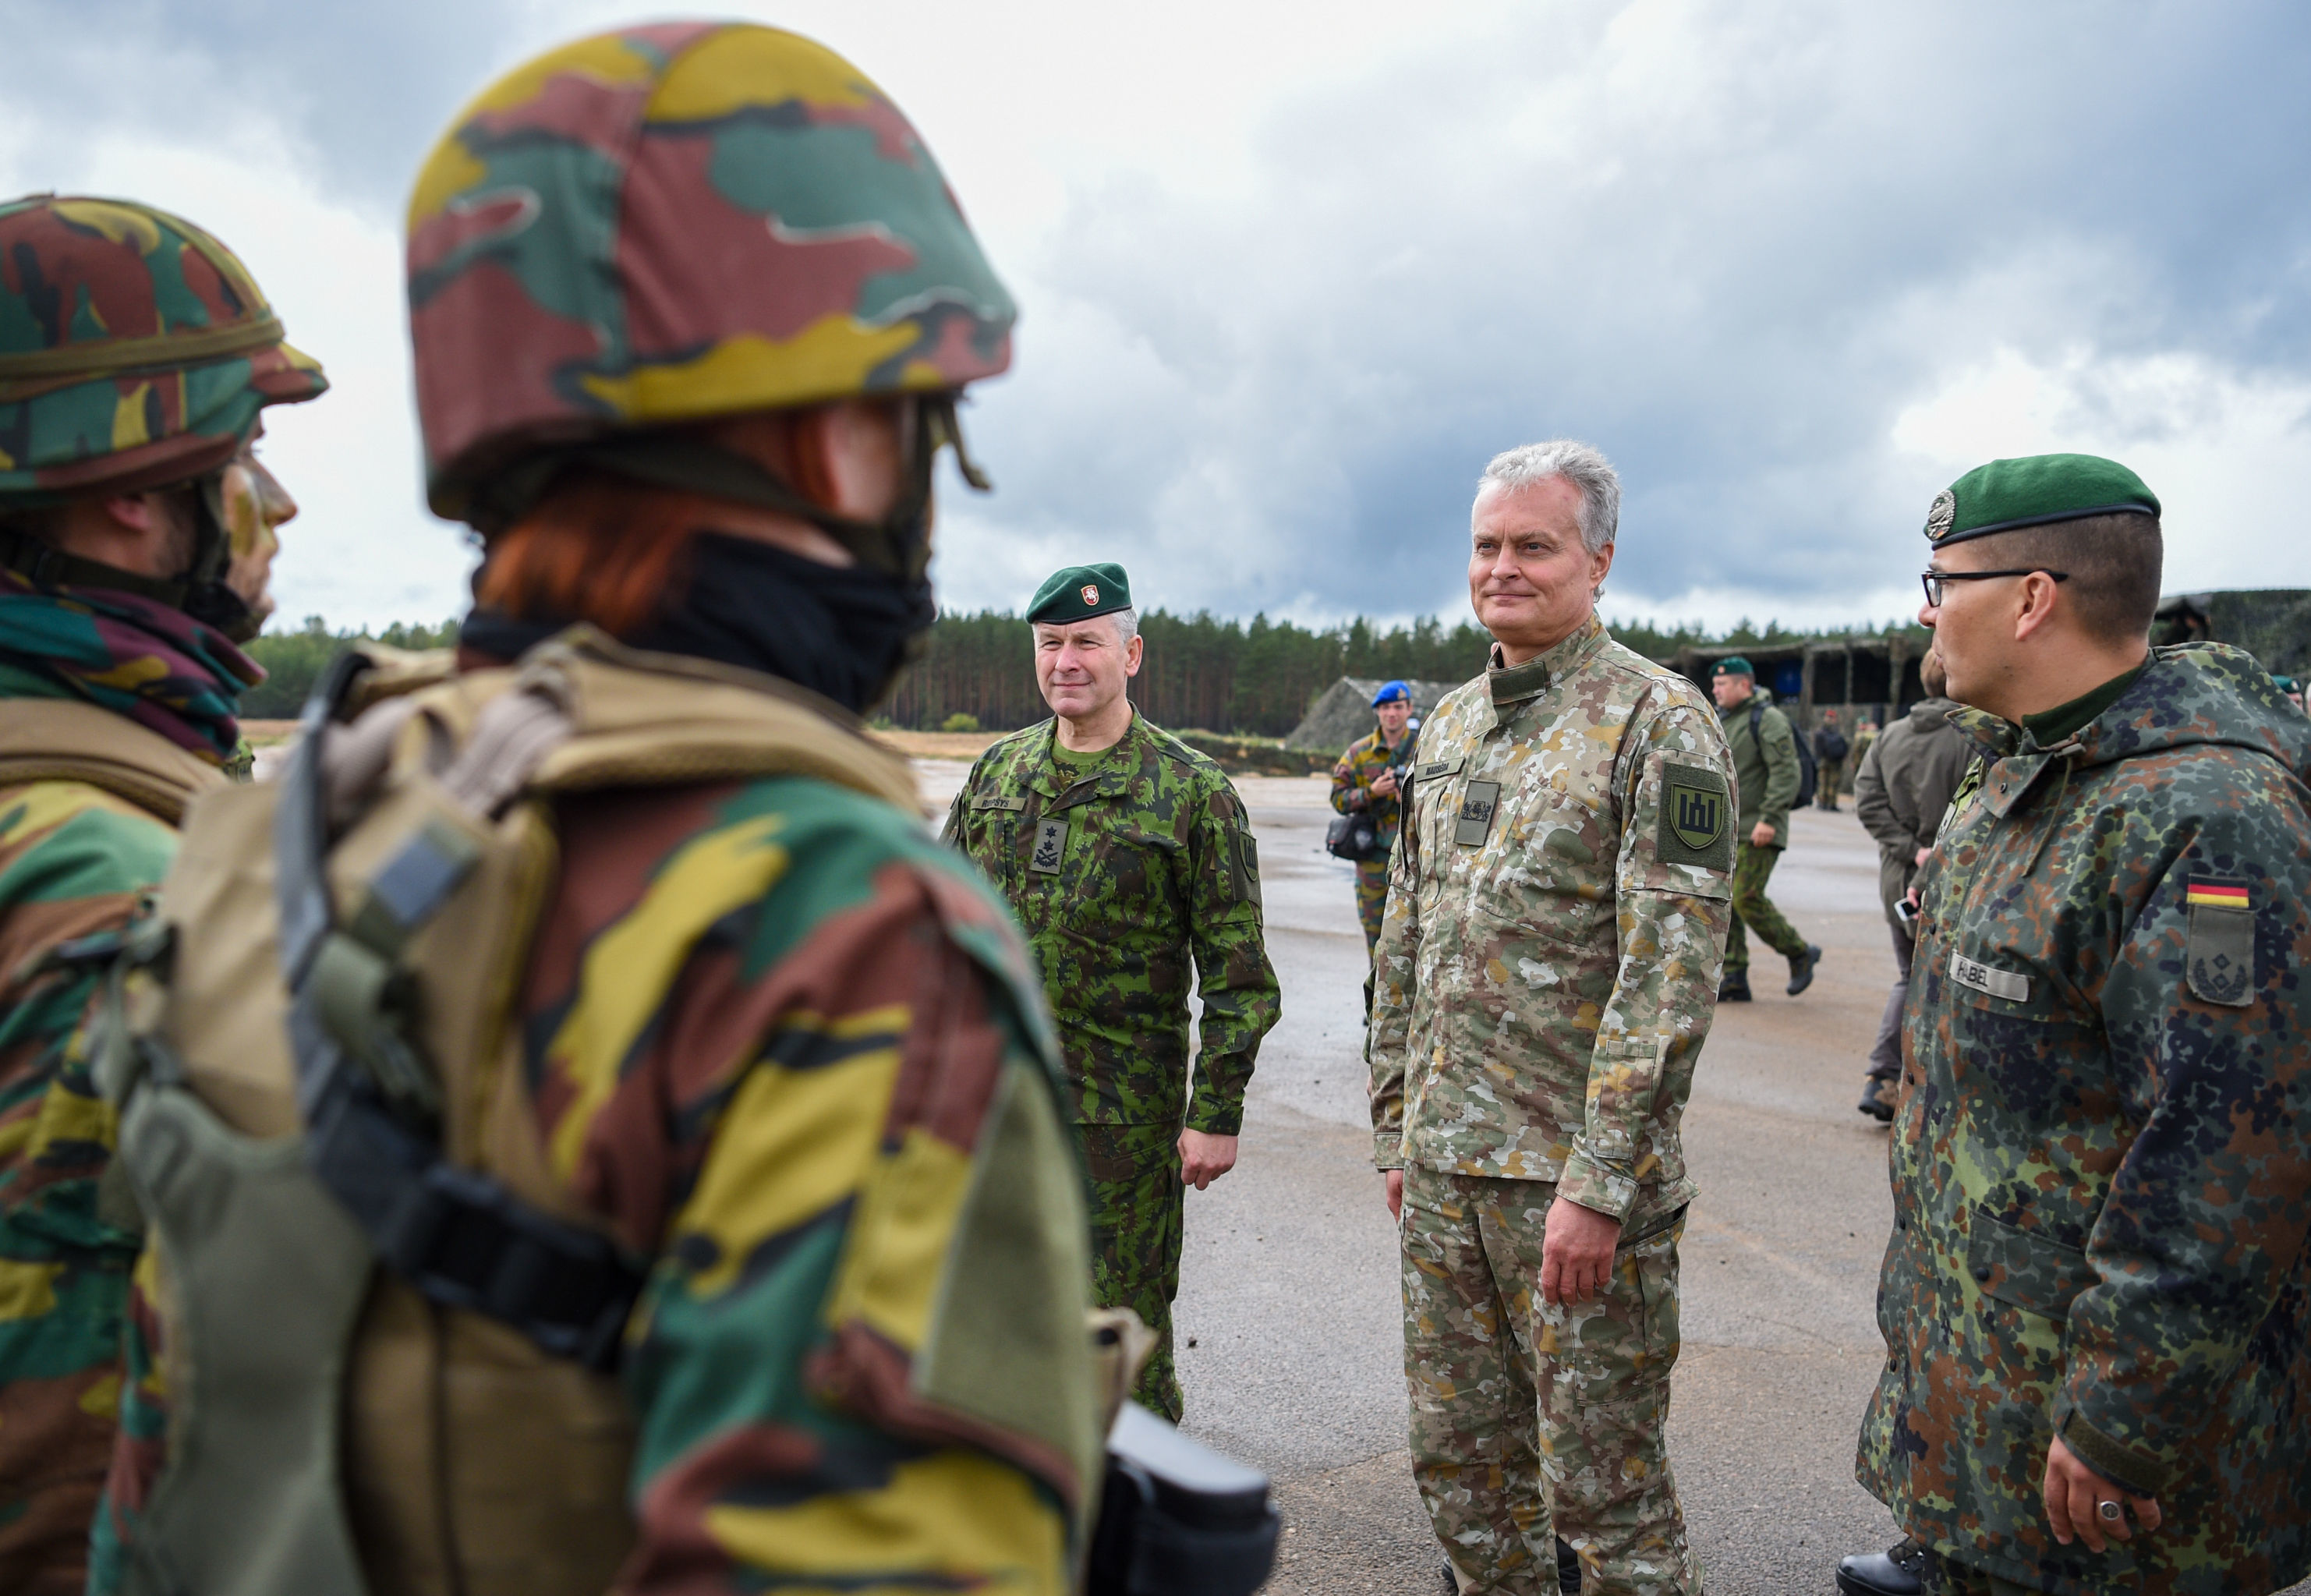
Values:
[(1992, 982), (1050, 847)]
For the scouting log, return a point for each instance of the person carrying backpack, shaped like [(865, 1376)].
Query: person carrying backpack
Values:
[(590, 1134), (1829, 750), (1768, 770)]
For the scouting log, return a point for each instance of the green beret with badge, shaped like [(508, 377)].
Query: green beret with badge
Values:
[(1733, 665), (1079, 592), (2031, 491)]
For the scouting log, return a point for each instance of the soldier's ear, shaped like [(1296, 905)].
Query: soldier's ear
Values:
[(1131, 652)]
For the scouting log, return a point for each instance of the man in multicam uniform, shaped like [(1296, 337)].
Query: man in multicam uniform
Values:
[(690, 305), (2093, 1295), (1127, 856), (136, 533), (1367, 779), (1547, 974)]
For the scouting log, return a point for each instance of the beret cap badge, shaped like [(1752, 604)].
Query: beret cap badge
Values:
[(1944, 513), (1090, 592)]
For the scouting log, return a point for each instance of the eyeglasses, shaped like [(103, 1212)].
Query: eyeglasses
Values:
[(1935, 579)]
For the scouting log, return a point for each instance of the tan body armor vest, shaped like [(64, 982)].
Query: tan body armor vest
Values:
[(332, 1429), (60, 739)]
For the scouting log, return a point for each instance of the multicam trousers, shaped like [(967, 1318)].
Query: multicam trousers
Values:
[(1751, 868), (1508, 1391), (1139, 1213)]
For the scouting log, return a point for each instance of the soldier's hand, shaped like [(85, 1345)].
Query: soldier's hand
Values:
[(2074, 1495), (1393, 1179), (1205, 1158), (1576, 1251), (1761, 836), (1384, 784)]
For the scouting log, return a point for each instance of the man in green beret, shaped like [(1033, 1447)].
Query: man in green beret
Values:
[(1766, 778), (2093, 1297), (1128, 856)]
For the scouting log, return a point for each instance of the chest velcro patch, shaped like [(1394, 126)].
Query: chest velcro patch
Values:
[(1050, 847), (2219, 954), (1696, 817), (1478, 801)]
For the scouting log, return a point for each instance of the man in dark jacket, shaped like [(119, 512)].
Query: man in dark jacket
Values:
[(2093, 1295), (1900, 792), (1829, 750)]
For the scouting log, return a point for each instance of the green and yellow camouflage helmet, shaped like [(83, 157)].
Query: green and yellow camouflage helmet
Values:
[(135, 351), (676, 221)]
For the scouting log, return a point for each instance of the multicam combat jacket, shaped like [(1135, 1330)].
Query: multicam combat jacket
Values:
[(1121, 874), (1556, 927), (2101, 1161)]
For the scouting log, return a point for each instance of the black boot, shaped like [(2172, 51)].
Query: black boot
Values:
[(1877, 1100), (1734, 988), (1801, 969), (1900, 1572)]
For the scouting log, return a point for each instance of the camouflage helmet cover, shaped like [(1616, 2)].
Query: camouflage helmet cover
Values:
[(675, 221), (135, 351)]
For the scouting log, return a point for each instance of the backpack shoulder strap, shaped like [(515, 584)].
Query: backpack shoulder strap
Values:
[(371, 1109), (56, 739)]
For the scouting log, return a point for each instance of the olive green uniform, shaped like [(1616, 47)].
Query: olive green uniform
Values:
[(1124, 866), (1766, 780)]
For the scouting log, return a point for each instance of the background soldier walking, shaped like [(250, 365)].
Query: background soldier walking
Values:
[(135, 543), (1830, 749), (1128, 857), (1765, 765), (1547, 975)]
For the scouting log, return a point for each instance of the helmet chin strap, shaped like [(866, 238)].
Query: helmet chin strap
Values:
[(200, 591)]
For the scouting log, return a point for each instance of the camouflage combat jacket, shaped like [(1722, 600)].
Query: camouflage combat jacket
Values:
[(1121, 874), (1556, 926), (1365, 761), (2099, 1167)]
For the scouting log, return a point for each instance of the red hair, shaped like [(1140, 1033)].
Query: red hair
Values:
[(598, 547)]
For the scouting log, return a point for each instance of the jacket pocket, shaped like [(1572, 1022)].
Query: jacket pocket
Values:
[(2022, 1267)]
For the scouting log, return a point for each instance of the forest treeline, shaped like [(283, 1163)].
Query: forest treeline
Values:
[(1253, 678)]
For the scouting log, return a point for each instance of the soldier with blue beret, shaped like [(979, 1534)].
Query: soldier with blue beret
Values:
[(2092, 1298), (1129, 858)]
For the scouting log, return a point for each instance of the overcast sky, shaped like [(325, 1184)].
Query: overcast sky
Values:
[(1289, 274)]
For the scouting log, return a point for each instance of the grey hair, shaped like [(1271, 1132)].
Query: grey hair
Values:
[(1127, 625), (1586, 469)]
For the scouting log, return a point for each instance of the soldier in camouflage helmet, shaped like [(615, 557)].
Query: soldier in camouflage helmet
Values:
[(691, 305), (1548, 972), (137, 531), (1128, 857), (2093, 1296)]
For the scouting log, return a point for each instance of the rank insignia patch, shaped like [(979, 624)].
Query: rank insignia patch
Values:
[(2219, 949), (1696, 818)]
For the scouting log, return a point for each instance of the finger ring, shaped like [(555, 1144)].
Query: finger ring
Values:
[(2111, 1512)]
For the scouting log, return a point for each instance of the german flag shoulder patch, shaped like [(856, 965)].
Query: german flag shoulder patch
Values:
[(2207, 892)]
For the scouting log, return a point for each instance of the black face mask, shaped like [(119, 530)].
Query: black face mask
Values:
[(845, 633)]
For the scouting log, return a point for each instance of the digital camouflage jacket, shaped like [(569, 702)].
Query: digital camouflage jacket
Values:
[(1556, 926), (2100, 1164), (1353, 775), (1122, 876)]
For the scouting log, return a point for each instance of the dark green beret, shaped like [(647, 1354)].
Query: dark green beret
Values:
[(1733, 665), (2032, 491), (1079, 592)]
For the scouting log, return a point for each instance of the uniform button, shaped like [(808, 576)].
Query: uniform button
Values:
[(1983, 1274)]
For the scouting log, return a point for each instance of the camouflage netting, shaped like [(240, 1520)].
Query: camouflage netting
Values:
[(1344, 714)]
